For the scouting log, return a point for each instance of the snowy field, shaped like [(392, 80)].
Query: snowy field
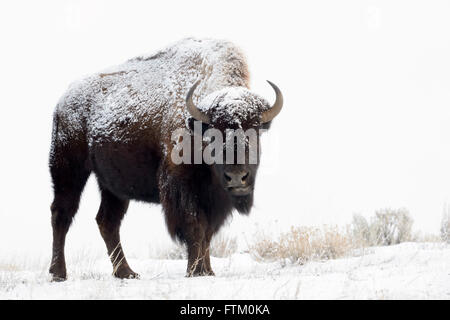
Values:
[(405, 271), (365, 127)]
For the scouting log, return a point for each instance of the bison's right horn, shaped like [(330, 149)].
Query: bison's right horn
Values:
[(276, 108), (191, 107)]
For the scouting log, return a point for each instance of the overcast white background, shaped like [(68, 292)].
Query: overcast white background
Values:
[(365, 123)]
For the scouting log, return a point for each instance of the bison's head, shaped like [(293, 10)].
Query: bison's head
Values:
[(239, 116)]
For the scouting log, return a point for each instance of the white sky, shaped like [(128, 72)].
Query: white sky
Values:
[(365, 123)]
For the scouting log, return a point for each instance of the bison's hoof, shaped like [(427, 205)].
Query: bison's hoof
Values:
[(127, 274), (58, 278), (200, 274), (133, 275), (58, 274)]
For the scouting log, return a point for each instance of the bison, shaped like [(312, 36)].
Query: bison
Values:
[(119, 125)]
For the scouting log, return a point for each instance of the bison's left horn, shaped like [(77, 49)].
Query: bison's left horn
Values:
[(276, 108), (193, 110)]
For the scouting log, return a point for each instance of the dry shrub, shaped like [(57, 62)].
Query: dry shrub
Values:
[(302, 244), (361, 230), (445, 226), (392, 226), (386, 228)]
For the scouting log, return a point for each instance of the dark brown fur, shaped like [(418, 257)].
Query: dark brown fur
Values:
[(195, 203), (193, 198)]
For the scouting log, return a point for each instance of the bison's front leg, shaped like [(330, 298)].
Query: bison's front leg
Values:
[(198, 253), (186, 221), (206, 249)]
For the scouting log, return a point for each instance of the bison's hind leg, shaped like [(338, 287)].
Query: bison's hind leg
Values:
[(69, 178), (63, 208), (109, 217)]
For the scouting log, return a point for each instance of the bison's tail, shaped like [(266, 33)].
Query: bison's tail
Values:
[(54, 139)]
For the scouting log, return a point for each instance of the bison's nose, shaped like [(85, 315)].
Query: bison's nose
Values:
[(236, 179)]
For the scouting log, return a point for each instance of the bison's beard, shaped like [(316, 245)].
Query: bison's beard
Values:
[(243, 204)]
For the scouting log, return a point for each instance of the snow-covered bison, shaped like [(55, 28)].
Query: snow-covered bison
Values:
[(119, 125)]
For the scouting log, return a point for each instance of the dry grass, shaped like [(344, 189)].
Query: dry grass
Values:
[(11, 267), (302, 244), (223, 246)]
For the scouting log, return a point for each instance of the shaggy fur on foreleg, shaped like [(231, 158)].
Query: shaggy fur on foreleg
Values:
[(194, 235)]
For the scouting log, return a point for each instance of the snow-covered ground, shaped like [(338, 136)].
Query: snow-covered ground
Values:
[(405, 271)]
